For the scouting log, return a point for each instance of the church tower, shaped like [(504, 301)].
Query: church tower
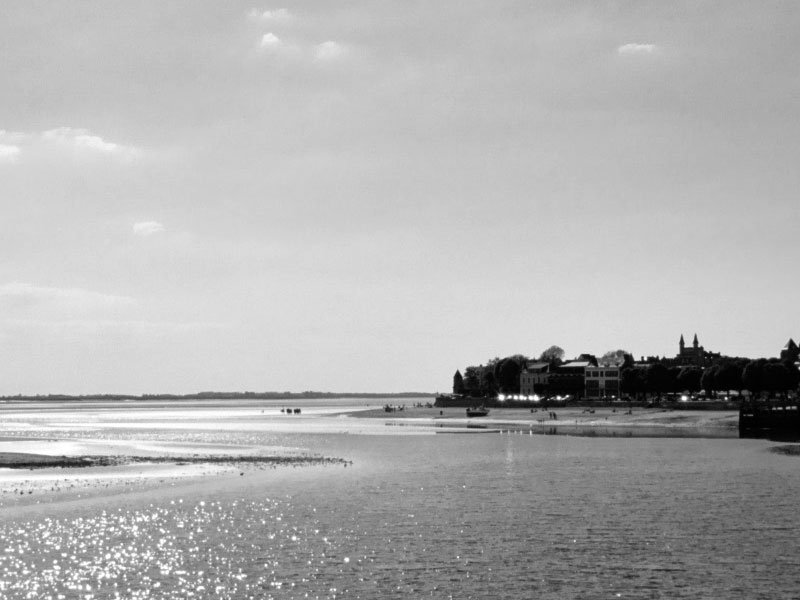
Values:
[(695, 343), (682, 344), (790, 351)]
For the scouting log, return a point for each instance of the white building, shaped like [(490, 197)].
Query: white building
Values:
[(602, 382), (534, 378)]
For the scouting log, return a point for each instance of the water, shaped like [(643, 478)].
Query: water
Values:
[(423, 515)]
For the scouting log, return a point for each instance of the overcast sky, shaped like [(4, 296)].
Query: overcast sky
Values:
[(366, 196)]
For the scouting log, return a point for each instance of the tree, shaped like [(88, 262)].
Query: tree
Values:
[(458, 383), (507, 371), (672, 380), (728, 377), (775, 378), (493, 362), (553, 355), (632, 381), (709, 380), (488, 383), (617, 357), (753, 376), (472, 381), (657, 378), (689, 379)]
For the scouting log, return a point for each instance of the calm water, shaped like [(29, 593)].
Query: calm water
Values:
[(427, 515)]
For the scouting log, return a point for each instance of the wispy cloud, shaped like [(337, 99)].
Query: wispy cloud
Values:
[(329, 51), (84, 140), (276, 15), (147, 228), (636, 49), (12, 137), (78, 141), (9, 154), (19, 294)]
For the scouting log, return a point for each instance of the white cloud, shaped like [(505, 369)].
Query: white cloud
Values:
[(634, 49), (84, 140), (329, 51), (61, 139), (277, 49), (270, 40), (147, 228), (277, 15), (9, 154), (20, 294)]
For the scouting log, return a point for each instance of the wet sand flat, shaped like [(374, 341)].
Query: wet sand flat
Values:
[(55, 453), (665, 419)]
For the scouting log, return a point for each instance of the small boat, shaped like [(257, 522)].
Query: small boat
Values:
[(477, 411)]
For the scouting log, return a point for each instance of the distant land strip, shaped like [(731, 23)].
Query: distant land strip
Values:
[(217, 396), (21, 460), (792, 450)]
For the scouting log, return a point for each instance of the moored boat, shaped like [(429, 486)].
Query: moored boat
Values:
[(477, 411)]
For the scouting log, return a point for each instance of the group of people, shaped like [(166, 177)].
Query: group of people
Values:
[(551, 414)]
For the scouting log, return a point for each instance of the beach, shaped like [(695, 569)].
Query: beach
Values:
[(666, 420)]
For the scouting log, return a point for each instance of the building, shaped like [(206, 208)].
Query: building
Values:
[(534, 379), (543, 379), (790, 352), (602, 381), (693, 356), (569, 379)]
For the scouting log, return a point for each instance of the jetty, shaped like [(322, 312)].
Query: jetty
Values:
[(769, 417)]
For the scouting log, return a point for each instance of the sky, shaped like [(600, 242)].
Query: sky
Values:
[(368, 195)]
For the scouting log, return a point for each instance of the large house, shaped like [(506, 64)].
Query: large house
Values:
[(602, 381), (569, 379), (535, 378), (542, 379)]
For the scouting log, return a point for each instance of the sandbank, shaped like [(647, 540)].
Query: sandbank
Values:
[(668, 421)]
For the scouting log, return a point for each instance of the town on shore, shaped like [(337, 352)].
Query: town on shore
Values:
[(693, 374)]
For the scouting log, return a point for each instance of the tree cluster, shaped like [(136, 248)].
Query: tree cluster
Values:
[(726, 375), (498, 375)]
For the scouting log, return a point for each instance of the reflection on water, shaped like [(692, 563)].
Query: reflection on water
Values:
[(440, 516), (238, 549)]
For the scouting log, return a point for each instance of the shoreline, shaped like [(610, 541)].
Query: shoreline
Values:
[(601, 418), (23, 460), (33, 481)]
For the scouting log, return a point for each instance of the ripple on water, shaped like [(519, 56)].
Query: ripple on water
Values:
[(545, 518)]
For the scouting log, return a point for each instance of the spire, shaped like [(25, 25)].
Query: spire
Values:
[(695, 343), (682, 343)]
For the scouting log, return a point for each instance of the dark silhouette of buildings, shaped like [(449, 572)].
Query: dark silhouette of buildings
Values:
[(790, 352), (695, 355)]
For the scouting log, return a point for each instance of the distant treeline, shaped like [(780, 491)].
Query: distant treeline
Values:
[(308, 395)]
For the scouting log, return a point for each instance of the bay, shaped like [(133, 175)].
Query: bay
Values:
[(411, 514)]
